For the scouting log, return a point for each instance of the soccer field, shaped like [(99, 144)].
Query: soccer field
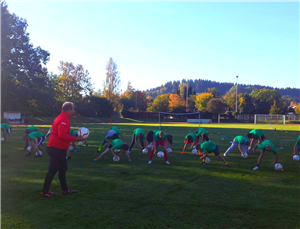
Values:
[(134, 194)]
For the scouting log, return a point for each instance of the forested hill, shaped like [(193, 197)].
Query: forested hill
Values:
[(200, 86)]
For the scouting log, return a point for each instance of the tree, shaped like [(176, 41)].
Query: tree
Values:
[(215, 106), (202, 100), (214, 92), (297, 109), (74, 81), (94, 106), (111, 85), (274, 109), (24, 80), (245, 104), (160, 103), (191, 103), (176, 103), (264, 99)]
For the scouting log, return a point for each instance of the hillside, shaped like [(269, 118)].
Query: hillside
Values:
[(200, 86)]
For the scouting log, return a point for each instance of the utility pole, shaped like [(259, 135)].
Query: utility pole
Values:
[(236, 92), (187, 96)]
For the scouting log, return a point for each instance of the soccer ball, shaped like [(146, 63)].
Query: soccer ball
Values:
[(244, 156), (116, 158), (207, 160), (296, 158), (145, 151), (2, 139), (169, 150), (83, 132), (194, 152), (70, 148), (80, 143), (29, 148), (277, 166), (160, 154)]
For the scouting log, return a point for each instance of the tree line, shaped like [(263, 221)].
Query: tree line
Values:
[(28, 86)]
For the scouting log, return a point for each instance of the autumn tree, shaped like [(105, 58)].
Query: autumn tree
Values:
[(176, 103), (214, 92), (297, 109), (202, 100), (274, 109), (160, 103)]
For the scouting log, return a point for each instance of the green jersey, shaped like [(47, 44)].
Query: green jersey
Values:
[(192, 135), (32, 128), (5, 126), (298, 141), (265, 143), (201, 131), (116, 129), (257, 133), (138, 131), (35, 134), (241, 140), (157, 138), (208, 147), (117, 143)]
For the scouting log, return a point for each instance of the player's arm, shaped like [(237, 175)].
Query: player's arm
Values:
[(154, 147), (192, 145), (112, 150), (204, 156), (240, 148), (259, 140)]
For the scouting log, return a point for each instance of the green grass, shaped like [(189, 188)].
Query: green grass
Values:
[(137, 195)]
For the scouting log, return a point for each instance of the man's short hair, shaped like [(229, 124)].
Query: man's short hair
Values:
[(67, 106)]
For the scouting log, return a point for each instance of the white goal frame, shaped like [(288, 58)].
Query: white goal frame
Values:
[(269, 118), (174, 115)]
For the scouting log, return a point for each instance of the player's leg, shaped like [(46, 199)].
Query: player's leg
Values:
[(184, 147), (233, 146), (165, 153), (153, 149), (217, 153), (132, 143), (262, 152), (102, 154)]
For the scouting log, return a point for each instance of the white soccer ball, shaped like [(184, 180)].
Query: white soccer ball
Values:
[(116, 158), (80, 143), (296, 158), (70, 148), (2, 139), (160, 154), (169, 150), (244, 156), (145, 151), (194, 151), (207, 160), (83, 132), (29, 148), (277, 166)]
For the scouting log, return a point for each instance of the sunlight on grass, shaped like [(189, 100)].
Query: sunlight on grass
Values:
[(28, 180)]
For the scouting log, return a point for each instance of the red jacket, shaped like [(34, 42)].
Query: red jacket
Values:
[(60, 132)]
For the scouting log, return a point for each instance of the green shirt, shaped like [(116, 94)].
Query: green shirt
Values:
[(117, 143), (5, 126), (32, 128), (116, 129), (298, 141), (35, 134), (257, 133), (241, 140), (157, 138), (266, 143), (200, 131), (208, 147), (192, 135), (138, 131), (72, 133)]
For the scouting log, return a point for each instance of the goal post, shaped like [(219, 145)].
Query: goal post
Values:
[(272, 119), (176, 114)]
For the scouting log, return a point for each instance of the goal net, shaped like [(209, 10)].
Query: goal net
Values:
[(265, 119), (164, 117)]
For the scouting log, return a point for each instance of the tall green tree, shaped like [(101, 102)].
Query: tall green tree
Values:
[(160, 103), (23, 77), (215, 106)]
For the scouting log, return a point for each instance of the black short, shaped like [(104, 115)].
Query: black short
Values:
[(263, 137), (41, 140), (216, 151)]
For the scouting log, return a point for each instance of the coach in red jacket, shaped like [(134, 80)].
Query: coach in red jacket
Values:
[(57, 149)]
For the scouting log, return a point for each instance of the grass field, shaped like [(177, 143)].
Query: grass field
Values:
[(137, 195)]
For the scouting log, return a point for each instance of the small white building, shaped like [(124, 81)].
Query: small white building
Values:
[(14, 116)]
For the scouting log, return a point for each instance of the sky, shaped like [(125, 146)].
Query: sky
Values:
[(156, 42)]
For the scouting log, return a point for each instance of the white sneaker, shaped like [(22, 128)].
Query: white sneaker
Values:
[(224, 155), (256, 168), (167, 162), (149, 162)]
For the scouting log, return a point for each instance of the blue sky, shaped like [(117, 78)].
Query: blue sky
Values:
[(153, 43)]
